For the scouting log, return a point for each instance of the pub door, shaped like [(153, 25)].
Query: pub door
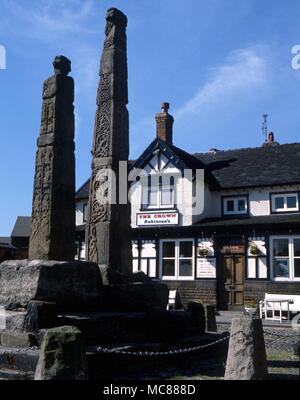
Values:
[(231, 282)]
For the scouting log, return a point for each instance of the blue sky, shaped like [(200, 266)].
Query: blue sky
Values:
[(220, 63)]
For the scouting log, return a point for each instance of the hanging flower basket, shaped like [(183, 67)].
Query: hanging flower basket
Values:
[(254, 250), (203, 252)]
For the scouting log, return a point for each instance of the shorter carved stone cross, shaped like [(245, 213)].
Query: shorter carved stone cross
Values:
[(53, 209)]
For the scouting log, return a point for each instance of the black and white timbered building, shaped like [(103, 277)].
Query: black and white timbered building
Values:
[(243, 242)]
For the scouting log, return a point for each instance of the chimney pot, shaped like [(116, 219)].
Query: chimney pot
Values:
[(164, 124), (165, 107), (271, 137)]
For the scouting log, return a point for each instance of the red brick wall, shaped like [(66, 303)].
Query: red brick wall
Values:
[(255, 291), (198, 290)]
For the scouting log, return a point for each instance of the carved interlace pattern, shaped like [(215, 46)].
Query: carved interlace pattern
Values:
[(102, 140), (99, 209), (42, 193), (48, 116), (107, 100)]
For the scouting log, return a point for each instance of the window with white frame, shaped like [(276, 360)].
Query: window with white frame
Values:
[(235, 205), (158, 193), (177, 259), (285, 254), (284, 202)]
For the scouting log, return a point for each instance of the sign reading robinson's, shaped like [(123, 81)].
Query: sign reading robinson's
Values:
[(157, 218)]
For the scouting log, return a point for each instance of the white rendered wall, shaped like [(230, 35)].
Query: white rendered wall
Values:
[(184, 191), (79, 212), (259, 199)]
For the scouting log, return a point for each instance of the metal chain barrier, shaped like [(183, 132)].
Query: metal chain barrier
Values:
[(162, 353)]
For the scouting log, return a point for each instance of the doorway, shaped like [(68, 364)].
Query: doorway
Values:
[(231, 282)]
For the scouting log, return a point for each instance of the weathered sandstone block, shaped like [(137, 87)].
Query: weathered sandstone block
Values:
[(72, 285)]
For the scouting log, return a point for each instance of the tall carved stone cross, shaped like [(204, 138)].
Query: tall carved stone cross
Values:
[(108, 225), (53, 210)]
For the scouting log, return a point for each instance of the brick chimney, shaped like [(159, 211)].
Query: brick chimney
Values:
[(164, 124)]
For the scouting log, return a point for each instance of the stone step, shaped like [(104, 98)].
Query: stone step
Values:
[(17, 359), (15, 375), (118, 327)]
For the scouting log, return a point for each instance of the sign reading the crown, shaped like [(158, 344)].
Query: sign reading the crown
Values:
[(157, 218)]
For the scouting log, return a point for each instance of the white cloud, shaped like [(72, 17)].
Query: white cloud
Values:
[(86, 69), (65, 27), (243, 69), (48, 19)]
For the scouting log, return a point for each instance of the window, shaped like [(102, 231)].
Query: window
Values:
[(285, 258), (177, 259), (159, 193), (85, 206), (257, 268), (235, 205), (284, 202)]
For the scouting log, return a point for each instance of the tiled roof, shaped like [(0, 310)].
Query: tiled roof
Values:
[(5, 240), (83, 191), (22, 227), (254, 167), (233, 169), (5, 243)]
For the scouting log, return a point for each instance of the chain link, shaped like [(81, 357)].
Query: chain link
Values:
[(162, 353)]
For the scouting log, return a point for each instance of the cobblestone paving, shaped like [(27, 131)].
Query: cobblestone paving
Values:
[(280, 339)]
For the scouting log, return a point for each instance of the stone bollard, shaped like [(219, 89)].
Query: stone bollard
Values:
[(210, 317), (198, 316), (62, 355), (246, 359)]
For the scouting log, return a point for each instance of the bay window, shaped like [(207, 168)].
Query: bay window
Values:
[(285, 253), (177, 259)]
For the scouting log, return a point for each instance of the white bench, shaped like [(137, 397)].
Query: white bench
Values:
[(279, 302)]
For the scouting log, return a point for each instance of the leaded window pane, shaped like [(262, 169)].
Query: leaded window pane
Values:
[(185, 268), (168, 268), (291, 202), (279, 203), (168, 249), (280, 247), (186, 249), (281, 268)]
